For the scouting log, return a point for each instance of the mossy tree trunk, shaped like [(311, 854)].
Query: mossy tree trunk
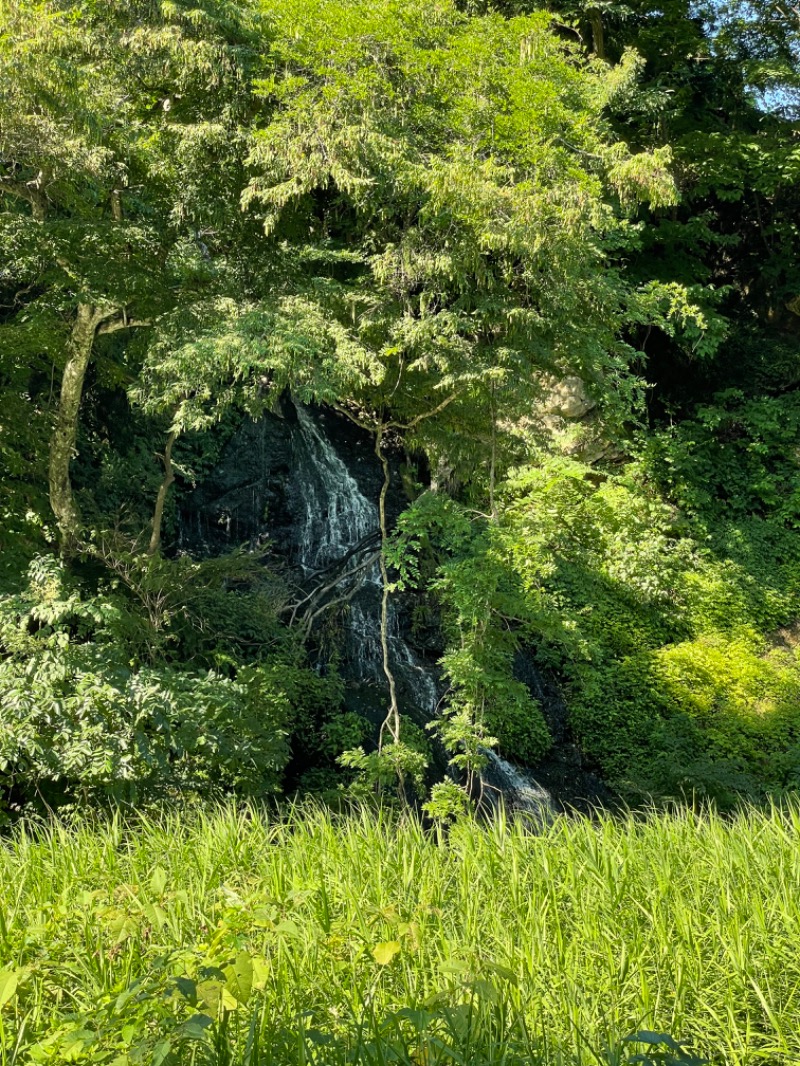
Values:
[(89, 321), (161, 499), (65, 430), (598, 33)]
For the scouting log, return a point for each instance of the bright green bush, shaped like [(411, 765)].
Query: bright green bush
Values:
[(79, 725), (706, 718), (661, 619)]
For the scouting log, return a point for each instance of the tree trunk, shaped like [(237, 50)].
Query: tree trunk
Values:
[(62, 442), (598, 33), (88, 323), (161, 499)]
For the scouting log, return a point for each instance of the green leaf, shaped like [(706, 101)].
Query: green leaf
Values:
[(161, 1053), (122, 927), (216, 996), (187, 988), (158, 881), (419, 1019), (195, 1027), (647, 1036), (288, 928), (9, 980), (240, 977), (155, 915), (261, 971), (384, 953), (455, 966)]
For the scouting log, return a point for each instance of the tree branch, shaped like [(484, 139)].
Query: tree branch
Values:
[(383, 426), (369, 427), (320, 590), (29, 192), (124, 323), (392, 720), (425, 415), (163, 489)]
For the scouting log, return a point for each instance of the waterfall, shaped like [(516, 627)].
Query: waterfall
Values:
[(338, 536), (339, 530), (518, 788), (338, 517), (307, 482)]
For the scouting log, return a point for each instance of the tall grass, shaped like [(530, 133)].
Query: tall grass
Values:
[(229, 937)]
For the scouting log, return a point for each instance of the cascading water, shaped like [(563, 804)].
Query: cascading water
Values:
[(518, 788), (338, 539), (338, 517), (306, 483)]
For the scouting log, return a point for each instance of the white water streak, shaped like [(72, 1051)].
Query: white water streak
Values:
[(337, 518)]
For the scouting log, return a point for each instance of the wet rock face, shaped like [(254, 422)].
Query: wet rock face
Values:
[(308, 481), (245, 500), (257, 491)]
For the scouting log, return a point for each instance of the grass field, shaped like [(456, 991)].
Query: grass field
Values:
[(230, 937)]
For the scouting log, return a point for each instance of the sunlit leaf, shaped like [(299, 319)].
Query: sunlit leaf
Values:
[(9, 981), (239, 977), (384, 953), (158, 880), (161, 1053)]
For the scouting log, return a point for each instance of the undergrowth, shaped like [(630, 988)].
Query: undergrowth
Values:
[(232, 937)]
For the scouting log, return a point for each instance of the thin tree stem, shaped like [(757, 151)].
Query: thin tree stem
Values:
[(161, 498), (392, 720)]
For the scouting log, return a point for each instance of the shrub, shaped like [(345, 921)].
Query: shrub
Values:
[(83, 720)]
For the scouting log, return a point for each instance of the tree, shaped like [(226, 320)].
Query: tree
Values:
[(718, 85), (120, 171), (451, 200)]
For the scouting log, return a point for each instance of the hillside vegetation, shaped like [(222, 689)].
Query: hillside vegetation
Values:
[(544, 261), (399, 453)]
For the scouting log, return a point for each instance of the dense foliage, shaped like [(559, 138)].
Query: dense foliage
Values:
[(546, 258)]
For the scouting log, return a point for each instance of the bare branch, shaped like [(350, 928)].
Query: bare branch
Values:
[(425, 415), (370, 427), (313, 597), (124, 323), (309, 619), (392, 720), (375, 427)]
